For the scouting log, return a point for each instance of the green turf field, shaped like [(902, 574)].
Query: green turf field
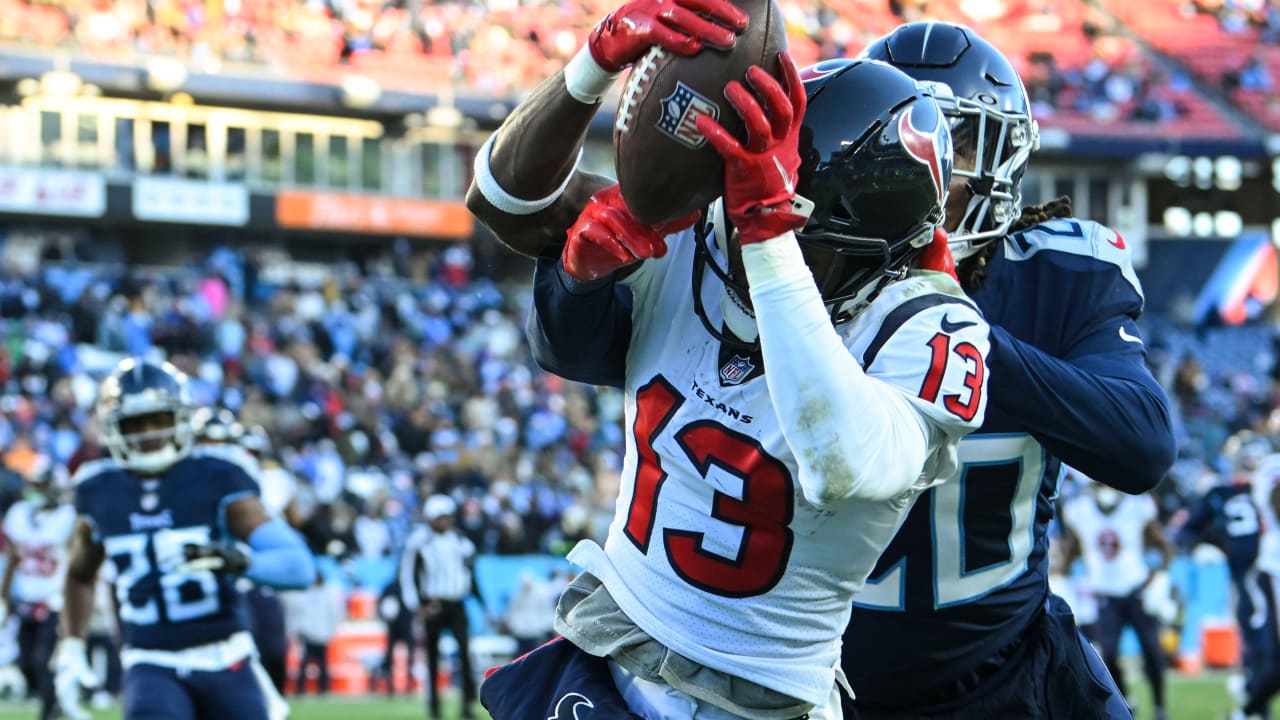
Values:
[(1198, 698)]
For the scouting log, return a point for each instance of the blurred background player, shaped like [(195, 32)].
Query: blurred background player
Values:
[(966, 578), (1111, 532), (165, 514), (1228, 518), (315, 614), (266, 611), (103, 641), (749, 640), (398, 619), (37, 529), (266, 614)]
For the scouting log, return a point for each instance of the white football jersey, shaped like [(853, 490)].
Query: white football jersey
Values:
[(1265, 480), (1112, 543), (40, 538), (714, 551), (278, 487)]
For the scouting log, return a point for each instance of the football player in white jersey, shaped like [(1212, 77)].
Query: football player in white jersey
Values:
[(38, 530), (1111, 532), (784, 412)]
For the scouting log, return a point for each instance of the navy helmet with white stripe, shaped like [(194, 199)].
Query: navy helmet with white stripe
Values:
[(144, 410)]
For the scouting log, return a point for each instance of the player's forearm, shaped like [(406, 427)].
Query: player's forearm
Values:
[(537, 146), (280, 557), (526, 186), (852, 436), (77, 607), (1109, 418)]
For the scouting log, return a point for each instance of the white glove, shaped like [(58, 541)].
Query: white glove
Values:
[(1157, 598), (71, 672)]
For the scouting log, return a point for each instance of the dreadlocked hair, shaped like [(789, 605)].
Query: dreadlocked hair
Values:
[(973, 270), (1033, 215)]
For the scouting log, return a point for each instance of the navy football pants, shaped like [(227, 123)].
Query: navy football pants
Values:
[(1114, 613), (159, 693), (1256, 613), (1051, 674), (37, 634), (266, 623)]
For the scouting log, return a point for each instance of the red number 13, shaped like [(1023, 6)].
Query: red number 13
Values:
[(941, 345), (763, 512)]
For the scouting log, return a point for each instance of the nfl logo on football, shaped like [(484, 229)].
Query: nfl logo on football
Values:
[(736, 370), (680, 111)]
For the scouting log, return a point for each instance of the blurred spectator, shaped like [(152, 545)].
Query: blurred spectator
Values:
[(315, 613), (531, 613), (398, 619)]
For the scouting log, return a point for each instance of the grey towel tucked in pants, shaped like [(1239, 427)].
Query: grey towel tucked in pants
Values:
[(589, 618)]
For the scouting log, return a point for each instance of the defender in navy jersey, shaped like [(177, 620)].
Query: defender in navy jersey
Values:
[(960, 621), (168, 517), (1228, 518)]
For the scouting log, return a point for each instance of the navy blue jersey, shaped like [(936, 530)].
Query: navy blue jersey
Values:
[(142, 521), (967, 573), (1227, 518)]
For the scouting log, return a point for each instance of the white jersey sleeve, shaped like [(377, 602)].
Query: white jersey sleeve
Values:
[(910, 405)]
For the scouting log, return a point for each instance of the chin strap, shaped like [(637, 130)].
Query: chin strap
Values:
[(706, 231)]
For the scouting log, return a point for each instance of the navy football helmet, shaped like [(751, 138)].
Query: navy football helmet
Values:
[(256, 441), (144, 410), (875, 168), (990, 114), (217, 426)]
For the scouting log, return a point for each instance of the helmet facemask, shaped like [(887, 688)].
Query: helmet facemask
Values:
[(146, 428), (992, 148), (150, 450)]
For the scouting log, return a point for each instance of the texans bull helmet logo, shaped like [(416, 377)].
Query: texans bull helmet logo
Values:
[(927, 139)]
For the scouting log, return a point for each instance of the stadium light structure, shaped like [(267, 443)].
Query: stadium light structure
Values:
[(165, 75), (60, 83), (360, 92)]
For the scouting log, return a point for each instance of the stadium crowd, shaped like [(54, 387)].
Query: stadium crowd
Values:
[(503, 47)]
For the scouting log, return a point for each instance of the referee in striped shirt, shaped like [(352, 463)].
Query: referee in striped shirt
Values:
[(436, 578)]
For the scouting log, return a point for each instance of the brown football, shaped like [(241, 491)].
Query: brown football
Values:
[(666, 168)]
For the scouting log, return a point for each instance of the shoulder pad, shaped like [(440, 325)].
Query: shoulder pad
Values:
[(1074, 236), (95, 468), (233, 454), (903, 300)]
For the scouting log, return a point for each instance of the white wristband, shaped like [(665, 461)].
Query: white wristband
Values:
[(776, 259), (585, 80), (505, 201)]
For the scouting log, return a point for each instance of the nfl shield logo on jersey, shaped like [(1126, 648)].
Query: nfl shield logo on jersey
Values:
[(736, 370), (150, 502), (680, 111)]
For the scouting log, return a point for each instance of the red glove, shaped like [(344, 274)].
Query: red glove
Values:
[(627, 33), (937, 255), (606, 238), (760, 178)]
